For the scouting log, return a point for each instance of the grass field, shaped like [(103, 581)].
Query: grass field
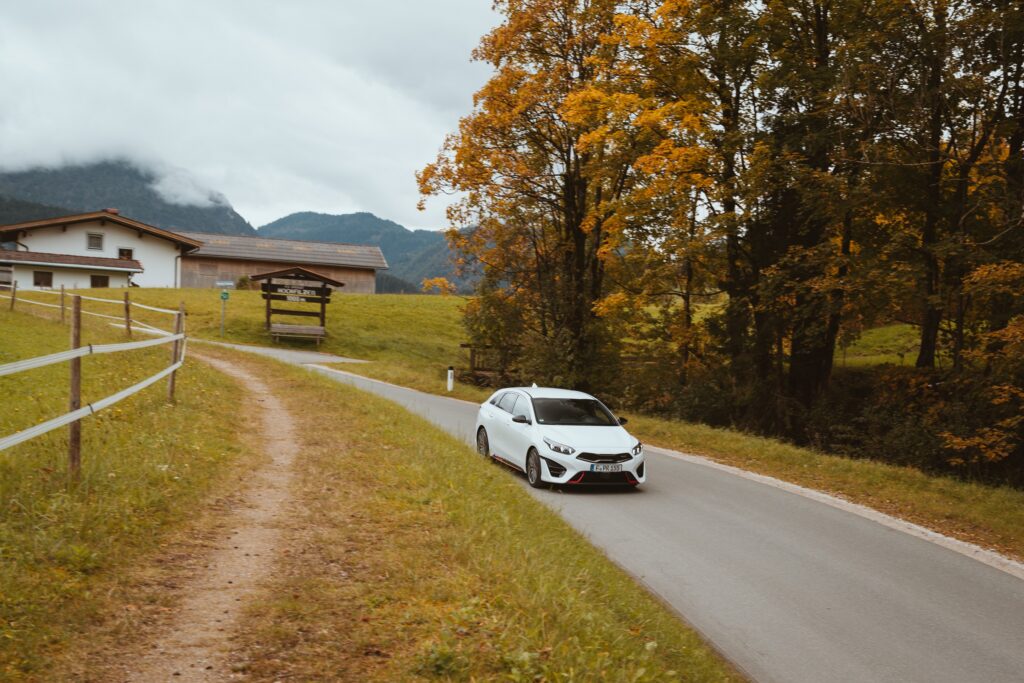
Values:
[(409, 339), (64, 547), (894, 344), (429, 563)]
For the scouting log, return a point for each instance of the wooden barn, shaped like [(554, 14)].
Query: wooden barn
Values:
[(224, 258)]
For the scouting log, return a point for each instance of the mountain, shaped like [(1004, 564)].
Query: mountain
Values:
[(139, 193), (19, 211), (412, 254)]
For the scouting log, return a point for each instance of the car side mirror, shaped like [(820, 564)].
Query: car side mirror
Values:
[(623, 420), (521, 419)]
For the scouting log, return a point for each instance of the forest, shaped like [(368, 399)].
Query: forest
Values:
[(690, 207)]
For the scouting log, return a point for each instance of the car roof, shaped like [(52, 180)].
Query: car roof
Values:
[(550, 392)]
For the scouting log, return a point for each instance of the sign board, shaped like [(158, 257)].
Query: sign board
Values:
[(296, 290), (296, 293), (224, 295), (300, 285), (225, 283), (294, 297)]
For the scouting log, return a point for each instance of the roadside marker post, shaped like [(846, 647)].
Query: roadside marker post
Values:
[(14, 293), (451, 378), (223, 305)]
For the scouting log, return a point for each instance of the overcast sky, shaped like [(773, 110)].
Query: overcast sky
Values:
[(322, 105)]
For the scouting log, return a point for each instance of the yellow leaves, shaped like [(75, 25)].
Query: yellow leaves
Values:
[(611, 305), (441, 284)]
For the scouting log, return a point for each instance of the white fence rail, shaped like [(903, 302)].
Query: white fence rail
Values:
[(77, 351), (90, 349)]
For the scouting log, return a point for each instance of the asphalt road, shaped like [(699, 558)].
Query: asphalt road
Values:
[(786, 587)]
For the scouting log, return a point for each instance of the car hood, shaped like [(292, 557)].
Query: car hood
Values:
[(590, 439)]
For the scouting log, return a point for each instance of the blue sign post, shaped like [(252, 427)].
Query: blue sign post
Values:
[(223, 304)]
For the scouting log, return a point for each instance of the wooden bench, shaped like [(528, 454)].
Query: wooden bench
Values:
[(278, 330)]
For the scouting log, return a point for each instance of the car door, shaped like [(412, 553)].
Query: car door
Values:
[(516, 433), (489, 414), (502, 425), (519, 434)]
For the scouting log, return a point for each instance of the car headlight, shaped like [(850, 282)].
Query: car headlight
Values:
[(559, 447), (638, 448)]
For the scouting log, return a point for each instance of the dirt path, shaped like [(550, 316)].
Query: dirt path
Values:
[(195, 644)]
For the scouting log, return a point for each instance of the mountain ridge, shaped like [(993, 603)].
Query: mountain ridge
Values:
[(140, 193), (413, 255), (119, 183)]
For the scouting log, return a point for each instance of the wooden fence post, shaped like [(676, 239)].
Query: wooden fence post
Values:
[(127, 314), (14, 292), (179, 326), (75, 402), (62, 304)]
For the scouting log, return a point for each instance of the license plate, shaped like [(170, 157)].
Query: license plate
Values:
[(606, 468)]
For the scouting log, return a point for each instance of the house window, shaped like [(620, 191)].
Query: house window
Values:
[(126, 254), (42, 278), (94, 240), (99, 281)]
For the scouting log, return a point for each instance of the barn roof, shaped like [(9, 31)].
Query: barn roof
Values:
[(287, 251), (297, 273), (40, 258)]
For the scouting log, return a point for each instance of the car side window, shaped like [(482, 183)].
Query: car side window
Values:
[(496, 398), (507, 402)]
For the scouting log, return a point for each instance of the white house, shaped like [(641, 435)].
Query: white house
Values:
[(98, 249), (36, 270)]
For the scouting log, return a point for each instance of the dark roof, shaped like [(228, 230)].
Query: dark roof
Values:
[(109, 216), (297, 273), (41, 258), (288, 251)]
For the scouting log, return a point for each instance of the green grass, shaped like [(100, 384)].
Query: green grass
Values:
[(433, 564), (894, 344), (410, 339), (65, 546)]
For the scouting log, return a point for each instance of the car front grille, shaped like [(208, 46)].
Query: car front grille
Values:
[(604, 457)]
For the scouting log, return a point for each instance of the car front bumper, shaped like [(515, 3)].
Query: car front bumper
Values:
[(569, 469)]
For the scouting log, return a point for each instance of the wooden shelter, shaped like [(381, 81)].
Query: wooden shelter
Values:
[(296, 285)]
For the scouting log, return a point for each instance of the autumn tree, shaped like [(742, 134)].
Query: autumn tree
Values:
[(541, 202)]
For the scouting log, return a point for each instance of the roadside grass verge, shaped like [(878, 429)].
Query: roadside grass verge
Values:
[(415, 559), (990, 516), (65, 548), (409, 339)]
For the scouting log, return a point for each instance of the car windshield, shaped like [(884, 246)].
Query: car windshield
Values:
[(572, 411)]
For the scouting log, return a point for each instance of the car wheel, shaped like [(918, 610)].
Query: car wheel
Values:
[(533, 469), (483, 445)]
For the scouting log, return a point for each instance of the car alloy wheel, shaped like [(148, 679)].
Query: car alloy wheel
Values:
[(483, 445), (533, 469)]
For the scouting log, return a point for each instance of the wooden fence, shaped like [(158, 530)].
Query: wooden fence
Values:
[(73, 355)]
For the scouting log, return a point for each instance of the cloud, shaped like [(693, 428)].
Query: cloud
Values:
[(178, 186), (308, 105)]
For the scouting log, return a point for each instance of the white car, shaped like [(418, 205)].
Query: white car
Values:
[(558, 436)]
